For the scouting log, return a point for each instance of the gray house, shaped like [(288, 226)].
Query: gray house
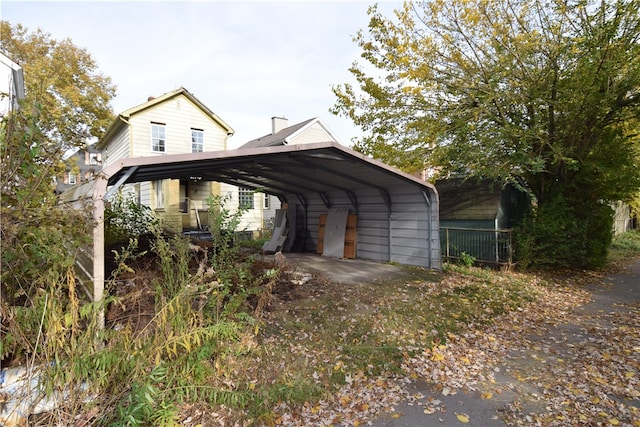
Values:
[(81, 167), (476, 217)]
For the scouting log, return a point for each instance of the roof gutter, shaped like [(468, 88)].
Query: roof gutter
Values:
[(119, 122)]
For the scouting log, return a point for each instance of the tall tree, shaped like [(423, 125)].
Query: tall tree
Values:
[(63, 87), (66, 105), (545, 93)]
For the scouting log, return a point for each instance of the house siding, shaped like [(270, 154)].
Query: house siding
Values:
[(255, 218), (118, 148), (179, 115), (312, 134)]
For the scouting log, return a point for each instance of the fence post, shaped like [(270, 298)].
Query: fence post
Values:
[(447, 240)]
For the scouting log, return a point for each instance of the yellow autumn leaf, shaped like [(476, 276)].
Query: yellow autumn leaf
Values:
[(487, 395), (463, 418), (614, 421), (344, 401), (429, 411), (315, 409), (396, 415), (629, 374)]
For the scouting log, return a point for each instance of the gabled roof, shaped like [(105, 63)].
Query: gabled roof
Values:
[(281, 170), (122, 119), (286, 135)]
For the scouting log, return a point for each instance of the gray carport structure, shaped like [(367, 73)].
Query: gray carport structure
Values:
[(397, 214)]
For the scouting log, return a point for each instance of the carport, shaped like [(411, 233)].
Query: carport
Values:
[(397, 214)]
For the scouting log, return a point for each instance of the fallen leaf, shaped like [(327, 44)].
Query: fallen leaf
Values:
[(463, 418)]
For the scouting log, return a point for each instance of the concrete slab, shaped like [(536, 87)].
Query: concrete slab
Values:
[(349, 271)]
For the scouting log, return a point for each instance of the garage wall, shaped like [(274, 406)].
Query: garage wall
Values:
[(411, 240), (404, 234)]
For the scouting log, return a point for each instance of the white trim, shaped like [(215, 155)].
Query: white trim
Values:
[(162, 139)]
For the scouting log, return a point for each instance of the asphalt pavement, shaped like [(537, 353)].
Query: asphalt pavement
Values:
[(610, 296)]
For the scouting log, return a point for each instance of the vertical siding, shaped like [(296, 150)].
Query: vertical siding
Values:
[(373, 227), (404, 235), (373, 240), (412, 236)]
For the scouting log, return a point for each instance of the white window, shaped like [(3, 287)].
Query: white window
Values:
[(137, 193), (159, 194), (197, 140), (267, 201), (245, 198), (158, 137), (73, 178)]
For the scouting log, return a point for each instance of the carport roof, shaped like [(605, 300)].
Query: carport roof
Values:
[(318, 168)]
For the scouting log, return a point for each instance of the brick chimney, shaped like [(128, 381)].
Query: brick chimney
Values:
[(278, 123)]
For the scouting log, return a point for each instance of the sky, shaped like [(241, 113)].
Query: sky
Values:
[(246, 60)]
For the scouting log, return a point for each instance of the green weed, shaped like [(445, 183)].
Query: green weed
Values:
[(624, 247)]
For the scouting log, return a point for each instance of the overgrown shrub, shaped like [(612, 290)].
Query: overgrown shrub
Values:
[(125, 219), (135, 373), (563, 234), (223, 224), (37, 233)]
